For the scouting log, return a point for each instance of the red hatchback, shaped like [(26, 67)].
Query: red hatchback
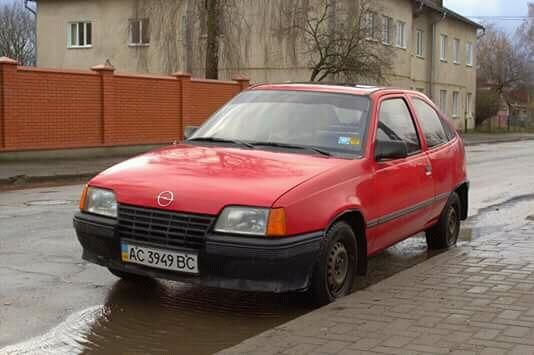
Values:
[(288, 187)]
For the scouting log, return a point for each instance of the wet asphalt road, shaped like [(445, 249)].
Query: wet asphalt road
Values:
[(52, 301)]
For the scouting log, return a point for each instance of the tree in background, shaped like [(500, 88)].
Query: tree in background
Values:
[(502, 66), (213, 20), (487, 104), (341, 40), (17, 33)]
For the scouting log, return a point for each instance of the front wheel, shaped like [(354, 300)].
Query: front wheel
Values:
[(445, 233), (334, 273)]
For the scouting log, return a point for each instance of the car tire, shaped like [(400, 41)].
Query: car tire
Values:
[(128, 276), (334, 272), (445, 233)]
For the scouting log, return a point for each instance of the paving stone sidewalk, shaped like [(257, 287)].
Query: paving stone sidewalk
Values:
[(475, 299)]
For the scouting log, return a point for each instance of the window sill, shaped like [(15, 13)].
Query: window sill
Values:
[(420, 56), (386, 44), (80, 47), (469, 65), (456, 63), (443, 60), (138, 44), (401, 47)]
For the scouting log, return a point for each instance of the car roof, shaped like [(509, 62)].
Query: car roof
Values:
[(342, 88)]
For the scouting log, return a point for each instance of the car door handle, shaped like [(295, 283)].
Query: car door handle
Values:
[(428, 170)]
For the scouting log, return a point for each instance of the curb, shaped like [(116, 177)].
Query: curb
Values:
[(506, 140), (21, 181)]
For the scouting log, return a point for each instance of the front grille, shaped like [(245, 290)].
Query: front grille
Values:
[(163, 228)]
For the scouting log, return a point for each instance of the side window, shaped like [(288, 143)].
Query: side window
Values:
[(433, 128), (395, 123)]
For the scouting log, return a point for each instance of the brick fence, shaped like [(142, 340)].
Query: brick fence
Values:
[(57, 109)]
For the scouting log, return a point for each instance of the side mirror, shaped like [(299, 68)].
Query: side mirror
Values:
[(385, 150), (189, 131)]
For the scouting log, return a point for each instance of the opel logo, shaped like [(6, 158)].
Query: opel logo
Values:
[(165, 198)]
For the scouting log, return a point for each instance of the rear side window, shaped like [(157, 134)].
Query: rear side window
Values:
[(431, 124), (395, 123)]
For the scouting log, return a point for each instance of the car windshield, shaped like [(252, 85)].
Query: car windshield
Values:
[(332, 124)]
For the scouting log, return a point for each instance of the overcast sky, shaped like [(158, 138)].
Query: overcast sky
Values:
[(491, 8)]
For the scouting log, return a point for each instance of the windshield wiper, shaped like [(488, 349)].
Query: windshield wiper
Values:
[(220, 140), (292, 146)]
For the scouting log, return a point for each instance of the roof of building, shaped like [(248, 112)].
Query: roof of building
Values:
[(449, 13)]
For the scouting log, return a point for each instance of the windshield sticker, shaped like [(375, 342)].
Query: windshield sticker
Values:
[(343, 140)]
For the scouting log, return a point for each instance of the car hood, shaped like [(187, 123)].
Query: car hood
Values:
[(205, 179)]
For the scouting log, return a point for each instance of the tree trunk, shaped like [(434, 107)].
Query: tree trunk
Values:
[(213, 8)]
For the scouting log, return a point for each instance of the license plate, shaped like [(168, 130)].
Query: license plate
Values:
[(160, 258)]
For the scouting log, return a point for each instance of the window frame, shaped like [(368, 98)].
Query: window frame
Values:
[(387, 30), (140, 21), (415, 123), (85, 23), (420, 43), (401, 38), (469, 54), (455, 104), (456, 51), (443, 44), (468, 104), (371, 22), (443, 103)]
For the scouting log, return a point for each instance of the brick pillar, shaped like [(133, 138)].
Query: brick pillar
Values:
[(106, 72), (242, 80), (184, 81), (8, 72)]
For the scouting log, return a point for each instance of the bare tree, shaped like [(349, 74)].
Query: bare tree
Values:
[(502, 64), (341, 40), (17, 33), (213, 19)]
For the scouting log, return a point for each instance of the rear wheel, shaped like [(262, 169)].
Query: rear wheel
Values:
[(127, 276), (334, 273), (445, 233)]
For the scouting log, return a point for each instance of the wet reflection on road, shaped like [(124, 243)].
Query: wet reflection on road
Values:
[(170, 317)]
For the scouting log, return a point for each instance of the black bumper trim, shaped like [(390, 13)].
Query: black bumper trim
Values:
[(233, 262)]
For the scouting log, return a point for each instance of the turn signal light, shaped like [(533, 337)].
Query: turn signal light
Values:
[(276, 227), (83, 197)]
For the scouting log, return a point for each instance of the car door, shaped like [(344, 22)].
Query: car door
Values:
[(441, 154), (403, 186)]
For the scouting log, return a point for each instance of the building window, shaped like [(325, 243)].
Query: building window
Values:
[(468, 101), (139, 32), (456, 51), (455, 103), (469, 54), (443, 48), (419, 44), (80, 35), (386, 32), (401, 34), (443, 100), (371, 25)]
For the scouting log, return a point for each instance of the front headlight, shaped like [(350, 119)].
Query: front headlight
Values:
[(99, 201), (252, 221)]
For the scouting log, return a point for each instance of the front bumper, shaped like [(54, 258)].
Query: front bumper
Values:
[(240, 263)]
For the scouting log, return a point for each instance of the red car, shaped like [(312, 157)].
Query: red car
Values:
[(288, 187)]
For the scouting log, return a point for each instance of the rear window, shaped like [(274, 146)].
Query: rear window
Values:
[(433, 127)]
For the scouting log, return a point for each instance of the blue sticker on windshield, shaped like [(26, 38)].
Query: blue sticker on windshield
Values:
[(343, 140)]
